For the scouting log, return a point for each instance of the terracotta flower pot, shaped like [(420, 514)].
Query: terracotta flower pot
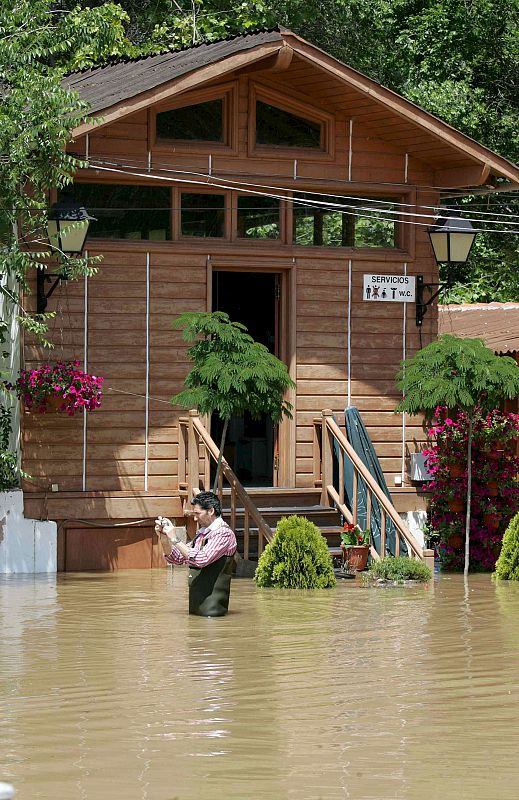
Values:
[(455, 541), (491, 521), (456, 470), (356, 555), (492, 489), (496, 451), (456, 504)]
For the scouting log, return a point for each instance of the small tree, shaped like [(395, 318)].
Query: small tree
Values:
[(507, 566), (461, 374), (231, 373), (296, 558)]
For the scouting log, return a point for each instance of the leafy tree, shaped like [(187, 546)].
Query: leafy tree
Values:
[(507, 566), (231, 373), (296, 558), (38, 43), (463, 375)]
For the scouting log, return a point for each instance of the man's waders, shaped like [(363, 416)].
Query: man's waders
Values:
[(209, 588)]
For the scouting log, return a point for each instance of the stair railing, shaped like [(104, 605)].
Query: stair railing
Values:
[(327, 434), (196, 450)]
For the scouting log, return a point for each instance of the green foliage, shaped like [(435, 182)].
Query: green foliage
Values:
[(8, 462), (37, 44), (231, 373), (507, 566), (399, 569), (296, 558), (456, 373)]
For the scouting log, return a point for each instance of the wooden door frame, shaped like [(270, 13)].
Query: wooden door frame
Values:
[(285, 268)]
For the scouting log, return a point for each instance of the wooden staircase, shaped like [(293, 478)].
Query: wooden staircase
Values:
[(254, 512)]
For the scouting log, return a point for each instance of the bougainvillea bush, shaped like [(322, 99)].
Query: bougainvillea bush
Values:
[(495, 488), (63, 384)]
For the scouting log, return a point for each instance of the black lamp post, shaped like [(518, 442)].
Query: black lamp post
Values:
[(452, 239), (67, 229)]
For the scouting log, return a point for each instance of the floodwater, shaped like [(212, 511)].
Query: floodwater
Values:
[(110, 691)]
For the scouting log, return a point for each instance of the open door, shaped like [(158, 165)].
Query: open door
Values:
[(251, 298)]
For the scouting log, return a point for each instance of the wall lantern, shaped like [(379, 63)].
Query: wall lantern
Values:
[(452, 239), (67, 229)]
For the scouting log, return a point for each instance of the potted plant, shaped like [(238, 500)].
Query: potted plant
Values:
[(355, 544), (59, 387)]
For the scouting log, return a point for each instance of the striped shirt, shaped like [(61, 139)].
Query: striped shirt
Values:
[(208, 545)]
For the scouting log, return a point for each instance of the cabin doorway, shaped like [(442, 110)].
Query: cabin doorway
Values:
[(251, 444)]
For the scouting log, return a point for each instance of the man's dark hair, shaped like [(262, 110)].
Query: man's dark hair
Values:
[(207, 500)]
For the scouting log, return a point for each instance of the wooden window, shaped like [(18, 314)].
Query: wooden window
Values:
[(279, 128), (258, 217), (285, 127), (126, 212), (202, 122), (202, 214), (329, 221), (205, 121)]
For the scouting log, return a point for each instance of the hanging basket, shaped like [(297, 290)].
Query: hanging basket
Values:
[(456, 470), (456, 504), (455, 541)]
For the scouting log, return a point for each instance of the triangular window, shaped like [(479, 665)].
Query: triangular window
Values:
[(202, 122), (278, 128)]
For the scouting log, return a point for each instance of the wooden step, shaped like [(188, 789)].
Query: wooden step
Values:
[(319, 515)]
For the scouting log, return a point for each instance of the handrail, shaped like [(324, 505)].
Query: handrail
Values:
[(196, 444), (331, 432)]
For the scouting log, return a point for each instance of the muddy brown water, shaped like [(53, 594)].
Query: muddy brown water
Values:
[(110, 691)]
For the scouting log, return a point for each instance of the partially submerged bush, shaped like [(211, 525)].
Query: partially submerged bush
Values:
[(400, 569), (507, 565), (296, 558)]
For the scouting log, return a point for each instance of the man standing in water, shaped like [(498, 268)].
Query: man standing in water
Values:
[(209, 556)]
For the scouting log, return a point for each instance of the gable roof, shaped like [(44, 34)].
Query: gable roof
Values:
[(496, 323), (130, 85)]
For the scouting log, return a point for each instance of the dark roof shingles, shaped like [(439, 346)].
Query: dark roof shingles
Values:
[(106, 86)]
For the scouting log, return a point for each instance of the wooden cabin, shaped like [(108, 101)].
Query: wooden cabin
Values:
[(260, 176)]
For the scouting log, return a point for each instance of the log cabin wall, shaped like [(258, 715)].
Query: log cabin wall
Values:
[(120, 462)]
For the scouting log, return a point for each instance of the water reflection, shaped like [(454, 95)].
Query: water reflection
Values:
[(110, 690)]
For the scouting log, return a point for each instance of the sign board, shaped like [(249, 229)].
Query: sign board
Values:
[(389, 288)]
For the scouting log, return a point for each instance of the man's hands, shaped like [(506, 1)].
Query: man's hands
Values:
[(164, 526)]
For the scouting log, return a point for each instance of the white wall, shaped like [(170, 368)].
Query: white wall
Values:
[(26, 545)]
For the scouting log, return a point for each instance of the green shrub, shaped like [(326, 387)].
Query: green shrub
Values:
[(507, 565), (296, 558), (8, 460), (400, 568)]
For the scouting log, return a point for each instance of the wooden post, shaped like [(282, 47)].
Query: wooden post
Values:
[(327, 457), (193, 465), (182, 466), (382, 532), (428, 558), (245, 534), (317, 439)]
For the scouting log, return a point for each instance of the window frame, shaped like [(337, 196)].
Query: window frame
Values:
[(404, 237), (225, 92), (245, 240), (290, 105), (96, 178), (177, 199)]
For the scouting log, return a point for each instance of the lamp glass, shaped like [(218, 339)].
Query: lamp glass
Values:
[(72, 235)]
